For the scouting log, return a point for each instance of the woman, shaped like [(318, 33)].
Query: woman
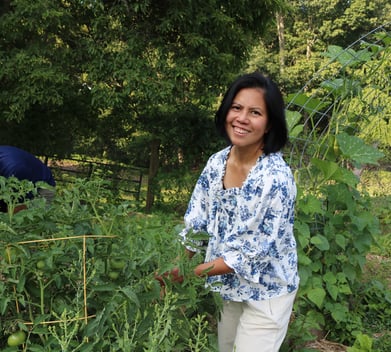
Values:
[(244, 199)]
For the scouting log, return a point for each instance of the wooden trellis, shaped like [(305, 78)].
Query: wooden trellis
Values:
[(84, 274)]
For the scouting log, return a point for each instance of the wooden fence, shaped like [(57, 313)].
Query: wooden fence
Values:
[(126, 180)]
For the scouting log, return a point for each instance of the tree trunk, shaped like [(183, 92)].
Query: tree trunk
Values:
[(153, 168), (281, 40)]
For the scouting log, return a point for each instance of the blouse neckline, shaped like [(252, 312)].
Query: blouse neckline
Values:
[(248, 175)]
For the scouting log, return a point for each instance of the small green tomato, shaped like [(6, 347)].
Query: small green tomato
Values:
[(17, 338), (117, 264), (113, 275), (41, 264)]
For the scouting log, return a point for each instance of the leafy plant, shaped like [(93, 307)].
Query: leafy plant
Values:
[(57, 286), (335, 225)]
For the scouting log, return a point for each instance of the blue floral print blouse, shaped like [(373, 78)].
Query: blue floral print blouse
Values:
[(250, 227)]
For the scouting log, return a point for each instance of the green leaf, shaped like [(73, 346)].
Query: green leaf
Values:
[(310, 205), (350, 272), (330, 278), (336, 85), (302, 232), (346, 176), (363, 343), (339, 312), (317, 296), (128, 292), (304, 260), (333, 291), (340, 240), (345, 289), (357, 151), (333, 51), (347, 57), (311, 105), (320, 242), (304, 273), (293, 118), (5, 227), (328, 168), (295, 131), (364, 220)]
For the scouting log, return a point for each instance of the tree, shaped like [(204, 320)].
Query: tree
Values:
[(44, 105), (94, 67), (309, 28)]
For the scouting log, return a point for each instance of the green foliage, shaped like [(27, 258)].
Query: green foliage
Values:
[(57, 281), (363, 343), (293, 54), (85, 71), (335, 224)]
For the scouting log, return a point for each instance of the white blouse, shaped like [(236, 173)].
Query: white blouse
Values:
[(250, 227)]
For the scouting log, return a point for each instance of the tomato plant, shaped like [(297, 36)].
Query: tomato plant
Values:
[(80, 276)]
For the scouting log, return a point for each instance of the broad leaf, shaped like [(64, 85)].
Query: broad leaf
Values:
[(332, 290), (357, 151), (317, 296), (309, 104), (340, 240), (293, 119), (320, 242), (310, 205), (339, 312), (328, 168)]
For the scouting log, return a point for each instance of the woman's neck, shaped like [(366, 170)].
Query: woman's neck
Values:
[(239, 164), (245, 156)]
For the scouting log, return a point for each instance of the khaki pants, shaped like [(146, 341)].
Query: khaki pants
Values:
[(254, 326)]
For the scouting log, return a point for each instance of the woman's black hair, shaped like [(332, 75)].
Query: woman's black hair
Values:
[(277, 136)]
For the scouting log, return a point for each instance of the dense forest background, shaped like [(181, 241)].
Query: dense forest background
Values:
[(114, 78)]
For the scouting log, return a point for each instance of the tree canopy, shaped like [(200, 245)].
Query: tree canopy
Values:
[(83, 72), (306, 30), (96, 77)]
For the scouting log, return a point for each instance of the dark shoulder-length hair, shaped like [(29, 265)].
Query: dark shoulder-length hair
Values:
[(277, 135)]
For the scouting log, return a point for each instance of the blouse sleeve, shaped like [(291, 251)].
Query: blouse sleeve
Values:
[(196, 216), (263, 233)]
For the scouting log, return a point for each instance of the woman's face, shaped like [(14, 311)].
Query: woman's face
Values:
[(247, 120)]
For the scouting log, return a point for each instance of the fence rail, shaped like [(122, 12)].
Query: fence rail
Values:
[(125, 179)]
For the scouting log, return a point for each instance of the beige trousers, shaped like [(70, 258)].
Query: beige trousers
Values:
[(254, 326)]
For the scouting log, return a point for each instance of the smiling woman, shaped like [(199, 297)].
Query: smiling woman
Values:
[(244, 200)]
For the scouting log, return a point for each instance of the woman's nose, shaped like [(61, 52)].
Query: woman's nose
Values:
[(242, 116)]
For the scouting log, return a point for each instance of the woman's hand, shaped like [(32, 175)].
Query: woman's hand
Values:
[(174, 276)]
